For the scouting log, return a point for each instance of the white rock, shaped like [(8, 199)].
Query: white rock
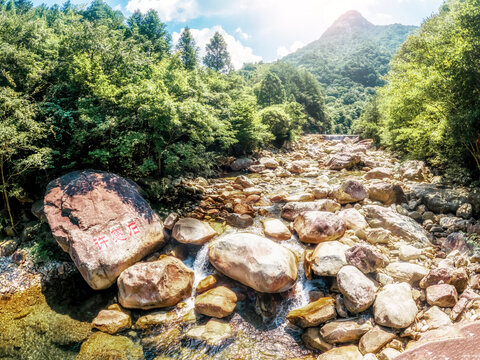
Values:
[(394, 306)]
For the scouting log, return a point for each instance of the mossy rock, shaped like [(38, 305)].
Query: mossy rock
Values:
[(101, 346)]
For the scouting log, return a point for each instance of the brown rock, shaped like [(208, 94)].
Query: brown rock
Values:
[(156, 284), (312, 339), (170, 221), (103, 222), (192, 231), (375, 339), (345, 331), (386, 193), (313, 314), (217, 302), (243, 208), (365, 258), (291, 210), (276, 229), (244, 181), (378, 173), (239, 221), (442, 295), (104, 346), (350, 191), (343, 161), (206, 284), (446, 275), (349, 352), (317, 226), (111, 321)]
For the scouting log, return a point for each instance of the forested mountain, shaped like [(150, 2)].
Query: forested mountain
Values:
[(349, 61), (430, 108)]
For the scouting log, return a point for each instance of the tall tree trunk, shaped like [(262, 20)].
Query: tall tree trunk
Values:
[(5, 195)]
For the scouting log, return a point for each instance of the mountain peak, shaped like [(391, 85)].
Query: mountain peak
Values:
[(347, 23)]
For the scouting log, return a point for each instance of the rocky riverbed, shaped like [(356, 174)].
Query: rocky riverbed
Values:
[(328, 250)]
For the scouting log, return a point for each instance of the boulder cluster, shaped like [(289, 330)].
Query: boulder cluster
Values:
[(392, 253)]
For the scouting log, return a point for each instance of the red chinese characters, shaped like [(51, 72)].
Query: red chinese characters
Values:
[(101, 242), (133, 228), (117, 235)]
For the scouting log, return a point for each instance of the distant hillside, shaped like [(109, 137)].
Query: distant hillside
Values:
[(349, 61)]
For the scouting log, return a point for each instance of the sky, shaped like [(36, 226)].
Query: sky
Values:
[(266, 30)]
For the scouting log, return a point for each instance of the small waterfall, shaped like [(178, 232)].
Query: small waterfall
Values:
[(201, 268), (302, 288), (201, 265)]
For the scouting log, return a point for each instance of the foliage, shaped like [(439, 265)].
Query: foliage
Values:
[(430, 107), (217, 57), (349, 61), (299, 86), (284, 121), (271, 91), (86, 88), (188, 49)]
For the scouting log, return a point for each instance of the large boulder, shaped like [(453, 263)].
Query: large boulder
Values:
[(386, 193), (255, 261), (358, 290), (328, 258), (192, 231), (399, 225), (291, 210), (318, 226), (350, 191), (343, 161), (155, 284), (103, 222), (415, 170), (241, 164), (394, 306)]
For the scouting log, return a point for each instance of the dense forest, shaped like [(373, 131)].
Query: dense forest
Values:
[(349, 60), (430, 107), (88, 88)]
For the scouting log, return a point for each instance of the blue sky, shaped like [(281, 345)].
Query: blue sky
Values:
[(268, 29)]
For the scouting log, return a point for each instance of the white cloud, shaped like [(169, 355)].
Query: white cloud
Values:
[(239, 53), (168, 10), (284, 51), (242, 34)]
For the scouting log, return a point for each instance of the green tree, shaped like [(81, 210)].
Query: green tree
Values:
[(100, 11), (284, 121), (149, 30), (217, 57), (20, 152), (271, 91), (429, 109), (188, 49)]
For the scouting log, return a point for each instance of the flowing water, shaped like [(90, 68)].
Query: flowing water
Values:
[(39, 331)]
